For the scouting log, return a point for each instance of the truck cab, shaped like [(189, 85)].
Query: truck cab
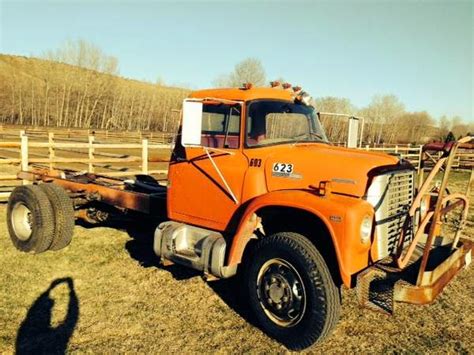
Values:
[(241, 151)]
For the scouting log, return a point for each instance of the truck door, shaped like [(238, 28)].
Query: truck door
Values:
[(205, 181)]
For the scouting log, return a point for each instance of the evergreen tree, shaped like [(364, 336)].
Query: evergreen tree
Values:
[(450, 137)]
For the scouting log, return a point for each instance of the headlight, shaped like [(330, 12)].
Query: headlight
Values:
[(366, 229)]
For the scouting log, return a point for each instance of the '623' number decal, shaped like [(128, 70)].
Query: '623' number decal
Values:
[(283, 168)]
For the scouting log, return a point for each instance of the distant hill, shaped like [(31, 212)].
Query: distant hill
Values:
[(41, 92)]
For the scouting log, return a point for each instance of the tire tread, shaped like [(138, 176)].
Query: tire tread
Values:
[(311, 256), (64, 214)]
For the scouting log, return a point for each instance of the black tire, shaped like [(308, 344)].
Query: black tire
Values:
[(64, 215), (30, 219), (310, 301)]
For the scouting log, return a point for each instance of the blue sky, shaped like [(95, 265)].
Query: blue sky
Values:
[(420, 51)]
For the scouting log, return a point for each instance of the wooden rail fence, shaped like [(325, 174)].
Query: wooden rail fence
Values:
[(90, 154), (78, 134), (116, 159)]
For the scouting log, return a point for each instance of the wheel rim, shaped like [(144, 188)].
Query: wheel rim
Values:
[(281, 292), (22, 221)]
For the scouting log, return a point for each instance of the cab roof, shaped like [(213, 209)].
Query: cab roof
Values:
[(238, 94)]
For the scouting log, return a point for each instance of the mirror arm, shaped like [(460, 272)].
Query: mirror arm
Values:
[(217, 150), (229, 190)]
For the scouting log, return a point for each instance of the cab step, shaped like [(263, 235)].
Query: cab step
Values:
[(375, 290)]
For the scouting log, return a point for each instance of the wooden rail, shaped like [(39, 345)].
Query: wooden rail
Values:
[(77, 134), (408, 152), (43, 149), (464, 158), (32, 152)]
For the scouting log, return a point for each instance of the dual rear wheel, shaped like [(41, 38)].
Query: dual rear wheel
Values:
[(40, 218)]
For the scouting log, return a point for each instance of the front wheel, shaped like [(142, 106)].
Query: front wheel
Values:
[(291, 291)]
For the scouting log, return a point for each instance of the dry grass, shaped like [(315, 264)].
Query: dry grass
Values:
[(127, 303)]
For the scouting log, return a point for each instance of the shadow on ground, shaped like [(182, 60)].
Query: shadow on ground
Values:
[(36, 335), (140, 248)]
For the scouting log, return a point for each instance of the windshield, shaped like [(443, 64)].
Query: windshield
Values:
[(278, 122)]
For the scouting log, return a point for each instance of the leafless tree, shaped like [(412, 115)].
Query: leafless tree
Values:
[(249, 70)]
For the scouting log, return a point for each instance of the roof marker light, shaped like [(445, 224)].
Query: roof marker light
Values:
[(286, 86), (304, 98)]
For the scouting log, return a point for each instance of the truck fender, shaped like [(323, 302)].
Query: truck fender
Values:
[(298, 199)]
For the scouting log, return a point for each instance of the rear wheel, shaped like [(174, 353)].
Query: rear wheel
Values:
[(30, 219), (64, 215), (291, 290)]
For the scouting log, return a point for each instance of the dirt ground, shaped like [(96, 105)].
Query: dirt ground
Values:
[(107, 293)]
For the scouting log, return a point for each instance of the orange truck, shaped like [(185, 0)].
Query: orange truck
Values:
[(256, 189)]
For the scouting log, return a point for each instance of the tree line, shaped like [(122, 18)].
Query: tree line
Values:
[(78, 86), (385, 118)]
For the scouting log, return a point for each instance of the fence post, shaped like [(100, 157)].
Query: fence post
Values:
[(145, 156), (367, 146), (91, 154), (420, 158), (51, 150), (396, 149), (24, 155)]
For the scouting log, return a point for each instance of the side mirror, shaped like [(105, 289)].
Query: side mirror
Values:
[(353, 133), (192, 123)]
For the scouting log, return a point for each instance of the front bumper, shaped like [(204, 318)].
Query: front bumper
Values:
[(380, 286), (446, 263)]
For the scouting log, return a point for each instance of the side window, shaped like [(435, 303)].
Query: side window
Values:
[(220, 126)]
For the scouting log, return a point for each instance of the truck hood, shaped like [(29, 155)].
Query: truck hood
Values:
[(300, 165)]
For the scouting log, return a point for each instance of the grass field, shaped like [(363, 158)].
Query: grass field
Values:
[(106, 293)]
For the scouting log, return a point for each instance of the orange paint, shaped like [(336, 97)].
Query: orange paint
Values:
[(198, 196)]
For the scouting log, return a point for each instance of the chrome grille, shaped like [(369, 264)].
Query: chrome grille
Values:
[(391, 195)]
